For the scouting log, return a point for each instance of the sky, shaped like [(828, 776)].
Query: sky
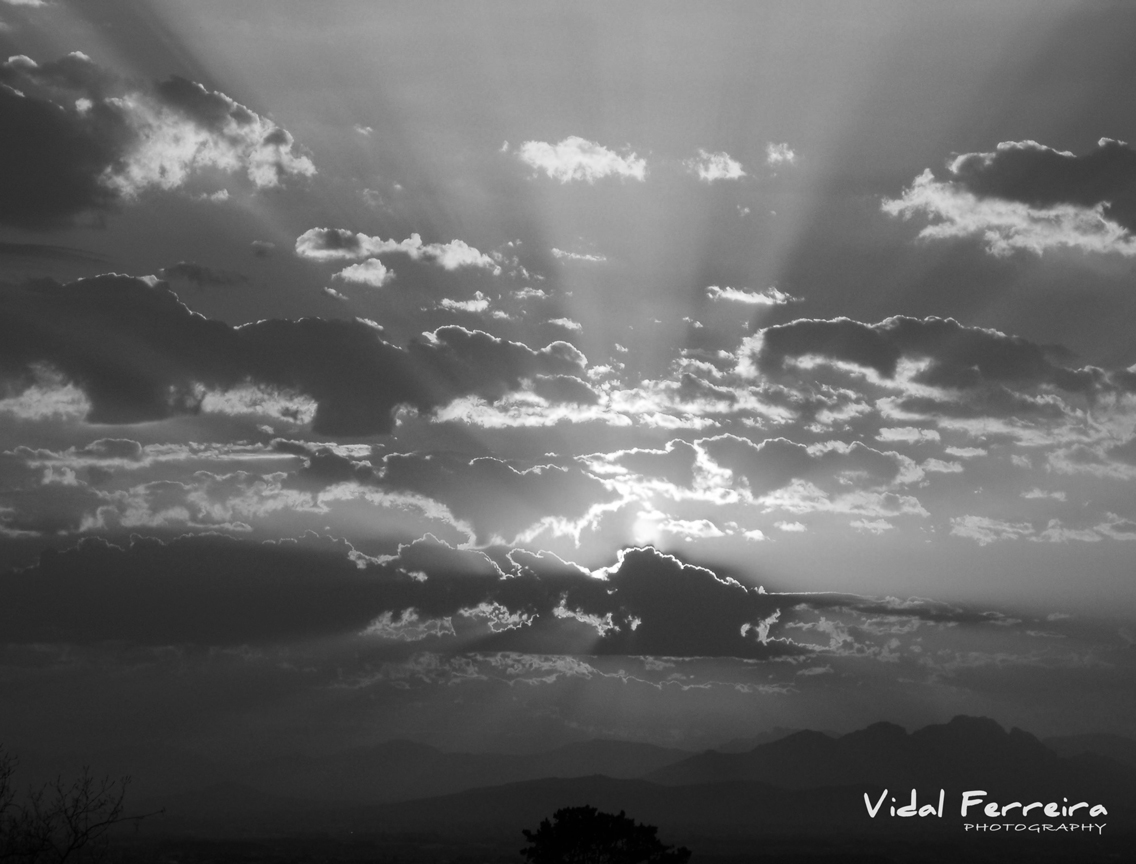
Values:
[(497, 375)]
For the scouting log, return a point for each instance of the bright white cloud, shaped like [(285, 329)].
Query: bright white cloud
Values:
[(479, 303), (715, 166), (566, 323), (576, 158), (334, 244), (965, 452), (938, 466), (577, 256), (1008, 226), (769, 297), (248, 399), (370, 272), (170, 146), (908, 434), (43, 401), (779, 154)]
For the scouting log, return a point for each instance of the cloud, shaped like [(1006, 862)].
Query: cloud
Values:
[(494, 498), (262, 248), (577, 256), (338, 244), (1025, 195), (776, 462), (370, 272), (715, 166), (768, 297), (94, 332), (674, 463), (950, 354), (874, 526), (460, 605), (204, 589), (200, 275), (90, 140), (1040, 176), (576, 158), (566, 323), (779, 154), (908, 434), (791, 527), (479, 303), (984, 530), (213, 590), (565, 389)]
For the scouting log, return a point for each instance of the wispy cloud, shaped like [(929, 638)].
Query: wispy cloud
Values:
[(768, 297)]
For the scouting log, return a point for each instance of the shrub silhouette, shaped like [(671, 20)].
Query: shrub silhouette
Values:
[(60, 821), (583, 835)]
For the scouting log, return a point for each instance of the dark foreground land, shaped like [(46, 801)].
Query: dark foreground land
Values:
[(797, 800), (1118, 849)]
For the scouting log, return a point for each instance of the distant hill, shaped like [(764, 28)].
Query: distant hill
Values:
[(806, 784), (744, 745), (1110, 746), (403, 770), (966, 751)]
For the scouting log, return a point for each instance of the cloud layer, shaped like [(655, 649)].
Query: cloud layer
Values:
[(90, 140), (1026, 196), (577, 158), (139, 355)]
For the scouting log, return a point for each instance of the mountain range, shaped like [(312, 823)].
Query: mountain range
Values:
[(805, 783)]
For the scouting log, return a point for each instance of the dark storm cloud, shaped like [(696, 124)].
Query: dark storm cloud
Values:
[(204, 589), (53, 156), (323, 467), (959, 356), (213, 590), (140, 355), (39, 501), (76, 139), (1040, 176), (776, 462), (201, 276)]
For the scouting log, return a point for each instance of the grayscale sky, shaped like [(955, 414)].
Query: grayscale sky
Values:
[(496, 374)]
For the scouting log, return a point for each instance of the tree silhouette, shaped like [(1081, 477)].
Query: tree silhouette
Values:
[(59, 822), (583, 835)]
